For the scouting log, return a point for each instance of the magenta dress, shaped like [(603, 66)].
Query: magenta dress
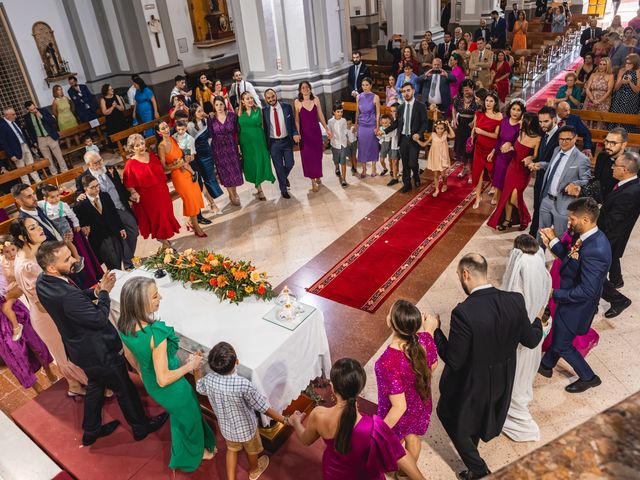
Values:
[(368, 143), (92, 271), (224, 149), (374, 451), (29, 354), (312, 146), (583, 343), (508, 133), (395, 375)]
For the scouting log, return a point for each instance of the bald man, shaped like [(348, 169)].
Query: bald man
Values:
[(565, 117)]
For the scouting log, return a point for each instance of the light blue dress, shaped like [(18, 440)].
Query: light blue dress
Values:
[(144, 108)]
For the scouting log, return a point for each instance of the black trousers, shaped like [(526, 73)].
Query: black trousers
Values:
[(409, 151), (537, 192), (111, 253), (113, 375), (467, 447), (612, 295), (615, 270)]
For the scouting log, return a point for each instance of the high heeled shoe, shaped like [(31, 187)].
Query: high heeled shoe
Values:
[(502, 227), (200, 234)]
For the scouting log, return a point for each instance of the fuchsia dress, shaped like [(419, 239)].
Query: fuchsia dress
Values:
[(395, 375)]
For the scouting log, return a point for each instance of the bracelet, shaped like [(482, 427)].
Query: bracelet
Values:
[(286, 420)]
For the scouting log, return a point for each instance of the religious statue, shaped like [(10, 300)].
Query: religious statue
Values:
[(55, 67), (52, 60)]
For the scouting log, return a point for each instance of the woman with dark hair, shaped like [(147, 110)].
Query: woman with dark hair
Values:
[(463, 53), (62, 109), (112, 107), (425, 56), (367, 123), (28, 236), (151, 347), (464, 110), (408, 58), (626, 96), (486, 127), (586, 70), (220, 91), (358, 447), (403, 375), (517, 177), (204, 96), (224, 146), (146, 107), (520, 32), (309, 116), (500, 72), (456, 63)]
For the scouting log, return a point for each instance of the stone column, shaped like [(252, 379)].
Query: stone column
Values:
[(282, 42), (471, 12), (412, 18)]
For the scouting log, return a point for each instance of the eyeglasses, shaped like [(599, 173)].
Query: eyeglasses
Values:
[(566, 139), (611, 142)]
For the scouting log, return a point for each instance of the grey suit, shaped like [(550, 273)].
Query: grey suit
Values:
[(553, 208)]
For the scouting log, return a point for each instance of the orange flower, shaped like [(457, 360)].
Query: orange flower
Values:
[(222, 281), (225, 264), (261, 289), (205, 268), (210, 257), (213, 282), (239, 275), (231, 294)]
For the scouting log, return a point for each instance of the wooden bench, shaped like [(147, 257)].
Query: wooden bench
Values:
[(37, 166), (79, 130), (121, 137), (609, 117), (598, 136)]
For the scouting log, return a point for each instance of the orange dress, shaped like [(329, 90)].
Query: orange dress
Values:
[(188, 190)]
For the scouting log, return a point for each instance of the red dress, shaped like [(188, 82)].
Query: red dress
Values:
[(517, 178), (154, 211), (502, 86), (483, 147)]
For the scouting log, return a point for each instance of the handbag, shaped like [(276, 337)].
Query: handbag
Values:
[(469, 145)]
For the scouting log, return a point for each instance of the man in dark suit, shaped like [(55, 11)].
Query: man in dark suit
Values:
[(547, 119), (98, 216), (445, 15), (615, 145), (111, 184), (357, 72), (40, 126), (480, 361), (445, 49), (411, 123), (585, 264), (281, 132), (15, 143), (565, 117), (618, 216), (512, 17), (83, 100), (435, 86), (91, 342), (27, 203), (482, 31), (589, 37), (498, 31)]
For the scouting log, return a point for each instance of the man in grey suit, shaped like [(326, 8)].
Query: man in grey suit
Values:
[(568, 170)]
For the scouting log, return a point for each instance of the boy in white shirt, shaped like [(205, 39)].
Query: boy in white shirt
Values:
[(338, 128), (352, 149)]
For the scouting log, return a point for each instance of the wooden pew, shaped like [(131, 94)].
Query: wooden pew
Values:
[(598, 136), (78, 131), (120, 138), (36, 166), (609, 117)]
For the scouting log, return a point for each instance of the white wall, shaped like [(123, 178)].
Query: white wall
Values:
[(92, 36), (160, 55), (22, 14), (357, 5)]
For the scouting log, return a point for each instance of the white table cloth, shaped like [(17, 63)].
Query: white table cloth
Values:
[(279, 362)]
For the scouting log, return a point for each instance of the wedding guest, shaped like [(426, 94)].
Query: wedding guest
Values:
[(618, 52), (589, 37), (403, 375), (256, 163), (8, 287), (628, 39), (390, 92), (498, 31), (520, 32), (473, 46), (458, 71), (40, 127), (586, 70), (178, 110), (204, 95), (517, 177), (431, 45), (62, 109), (566, 118), (145, 108), (92, 342), (580, 289), (463, 113), (626, 96), (503, 153), (601, 48), (462, 51), (558, 21), (480, 63), (367, 123), (482, 31), (618, 216), (486, 127), (457, 36), (357, 446), (173, 160), (281, 134), (408, 57), (112, 107), (394, 46), (512, 18), (526, 274), (180, 88), (84, 101), (339, 142), (599, 89), (407, 75), (14, 143), (224, 147), (480, 361), (615, 145), (28, 237), (220, 91), (152, 346), (437, 84), (438, 160), (309, 117), (238, 87), (146, 182), (235, 401), (358, 71), (446, 48), (569, 92), (425, 54), (500, 72)]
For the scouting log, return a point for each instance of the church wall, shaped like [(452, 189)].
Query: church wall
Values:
[(93, 39)]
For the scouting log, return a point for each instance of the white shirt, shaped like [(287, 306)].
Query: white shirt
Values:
[(434, 90), (131, 95), (244, 86), (406, 128), (351, 135), (481, 287), (552, 132), (13, 127), (622, 182), (553, 186), (186, 142), (273, 111), (356, 72), (59, 210), (338, 129), (176, 91)]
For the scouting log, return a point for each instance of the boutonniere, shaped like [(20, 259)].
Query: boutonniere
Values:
[(573, 253)]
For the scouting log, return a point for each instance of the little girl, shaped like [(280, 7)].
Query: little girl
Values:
[(60, 215), (391, 94), (11, 292), (438, 159)]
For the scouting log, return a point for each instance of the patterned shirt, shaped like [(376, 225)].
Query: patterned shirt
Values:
[(235, 401)]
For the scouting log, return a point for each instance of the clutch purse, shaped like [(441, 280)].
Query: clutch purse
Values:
[(469, 145)]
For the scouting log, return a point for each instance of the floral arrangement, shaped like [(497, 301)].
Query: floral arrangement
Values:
[(229, 279)]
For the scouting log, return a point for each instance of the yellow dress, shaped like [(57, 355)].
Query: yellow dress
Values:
[(66, 118), (519, 38)]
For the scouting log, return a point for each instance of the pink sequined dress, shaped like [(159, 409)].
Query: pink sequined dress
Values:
[(395, 375)]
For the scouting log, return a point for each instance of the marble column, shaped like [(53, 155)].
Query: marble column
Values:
[(282, 42)]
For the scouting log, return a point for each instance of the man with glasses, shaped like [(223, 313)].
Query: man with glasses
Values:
[(110, 183), (568, 170), (615, 145), (618, 216)]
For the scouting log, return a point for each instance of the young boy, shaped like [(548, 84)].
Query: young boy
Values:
[(352, 149), (394, 155), (235, 401), (338, 128), (89, 146), (385, 143)]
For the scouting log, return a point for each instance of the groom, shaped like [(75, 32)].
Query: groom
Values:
[(584, 269)]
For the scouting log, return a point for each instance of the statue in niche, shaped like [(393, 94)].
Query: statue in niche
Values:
[(209, 20), (54, 65), (52, 60)]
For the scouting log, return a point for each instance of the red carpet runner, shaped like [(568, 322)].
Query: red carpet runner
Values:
[(539, 99), (375, 267)]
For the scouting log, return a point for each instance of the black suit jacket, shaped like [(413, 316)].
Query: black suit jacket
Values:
[(419, 119), (44, 222), (9, 141), (544, 155), (445, 57), (478, 34), (618, 215), (604, 174), (89, 338), (499, 32), (480, 361), (112, 173), (107, 224), (48, 122), (356, 83), (511, 20), (445, 89), (586, 35)]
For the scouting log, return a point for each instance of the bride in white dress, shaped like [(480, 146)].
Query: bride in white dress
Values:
[(526, 274)]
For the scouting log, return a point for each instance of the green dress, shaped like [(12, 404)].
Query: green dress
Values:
[(190, 434), (66, 118), (256, 162)]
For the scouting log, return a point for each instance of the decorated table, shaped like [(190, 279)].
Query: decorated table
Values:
[(280, 362)]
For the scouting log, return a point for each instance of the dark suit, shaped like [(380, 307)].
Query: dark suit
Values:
[(604, 174), (445, 90), (587, 35), (354, 83), (47, 226), (545, 154), (443, 53), (577, 299), (9, 140), (618, 216), (281, 149), (49, 123), (480, 365), (499, 32), (581, 129), (104, 235), (84, 102), (92, 343), (409, 150), (511, 20), (478, 34), (112, 173)]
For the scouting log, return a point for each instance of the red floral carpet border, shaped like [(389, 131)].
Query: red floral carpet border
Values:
[(374, 268)]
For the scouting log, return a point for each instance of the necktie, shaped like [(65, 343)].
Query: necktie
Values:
[(98, 205), (549, 179), (482, 55), (615, 187), (446, 48), (407, 119), (545, 139), (561, 123), (39, 127), (592, 33), (18, 132), (276, 121)]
